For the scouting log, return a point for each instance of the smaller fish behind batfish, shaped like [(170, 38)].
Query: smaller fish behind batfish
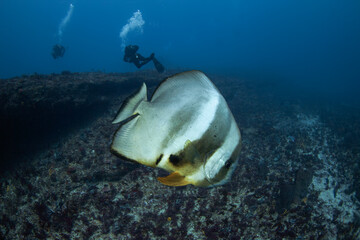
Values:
[(186, 128)]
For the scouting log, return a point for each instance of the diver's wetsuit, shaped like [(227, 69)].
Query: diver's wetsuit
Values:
[(58, 51), (132, 56)]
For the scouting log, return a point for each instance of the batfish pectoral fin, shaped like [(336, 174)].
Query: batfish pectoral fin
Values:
[(174, 179), (191, 153)]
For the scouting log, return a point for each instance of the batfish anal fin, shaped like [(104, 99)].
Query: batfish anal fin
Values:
[(174, 180)]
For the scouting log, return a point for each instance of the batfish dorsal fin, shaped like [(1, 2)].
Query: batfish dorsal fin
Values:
[(191, 79), (174, 180), (128, 108)]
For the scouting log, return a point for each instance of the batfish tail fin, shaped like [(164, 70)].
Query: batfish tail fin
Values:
[(121, 145), (130, 105), (130, 133)]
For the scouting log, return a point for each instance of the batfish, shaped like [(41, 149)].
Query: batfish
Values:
[(186, 128)]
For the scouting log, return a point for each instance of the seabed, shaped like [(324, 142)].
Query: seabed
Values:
[(297, 177)]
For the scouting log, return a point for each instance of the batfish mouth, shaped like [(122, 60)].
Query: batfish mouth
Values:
[(207, 177)]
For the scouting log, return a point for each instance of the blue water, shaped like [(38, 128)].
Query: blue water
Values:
[(311, 46)]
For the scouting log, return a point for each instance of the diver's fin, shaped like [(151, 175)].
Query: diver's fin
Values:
[(159, 67), (174, 180), (129, 106), (191, 153)]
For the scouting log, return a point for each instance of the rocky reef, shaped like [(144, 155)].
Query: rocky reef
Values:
[(297, 178)]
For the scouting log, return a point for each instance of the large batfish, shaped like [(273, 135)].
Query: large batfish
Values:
[(186, 128)]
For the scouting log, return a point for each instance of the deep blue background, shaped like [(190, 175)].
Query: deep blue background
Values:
[(311, 46)]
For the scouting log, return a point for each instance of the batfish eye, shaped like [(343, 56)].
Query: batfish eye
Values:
[(228, 163)]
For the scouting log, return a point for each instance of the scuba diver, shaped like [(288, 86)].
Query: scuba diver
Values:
[(132, 56), (58, 51)]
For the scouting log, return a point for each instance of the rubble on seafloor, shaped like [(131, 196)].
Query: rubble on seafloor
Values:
[(297, 178)]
